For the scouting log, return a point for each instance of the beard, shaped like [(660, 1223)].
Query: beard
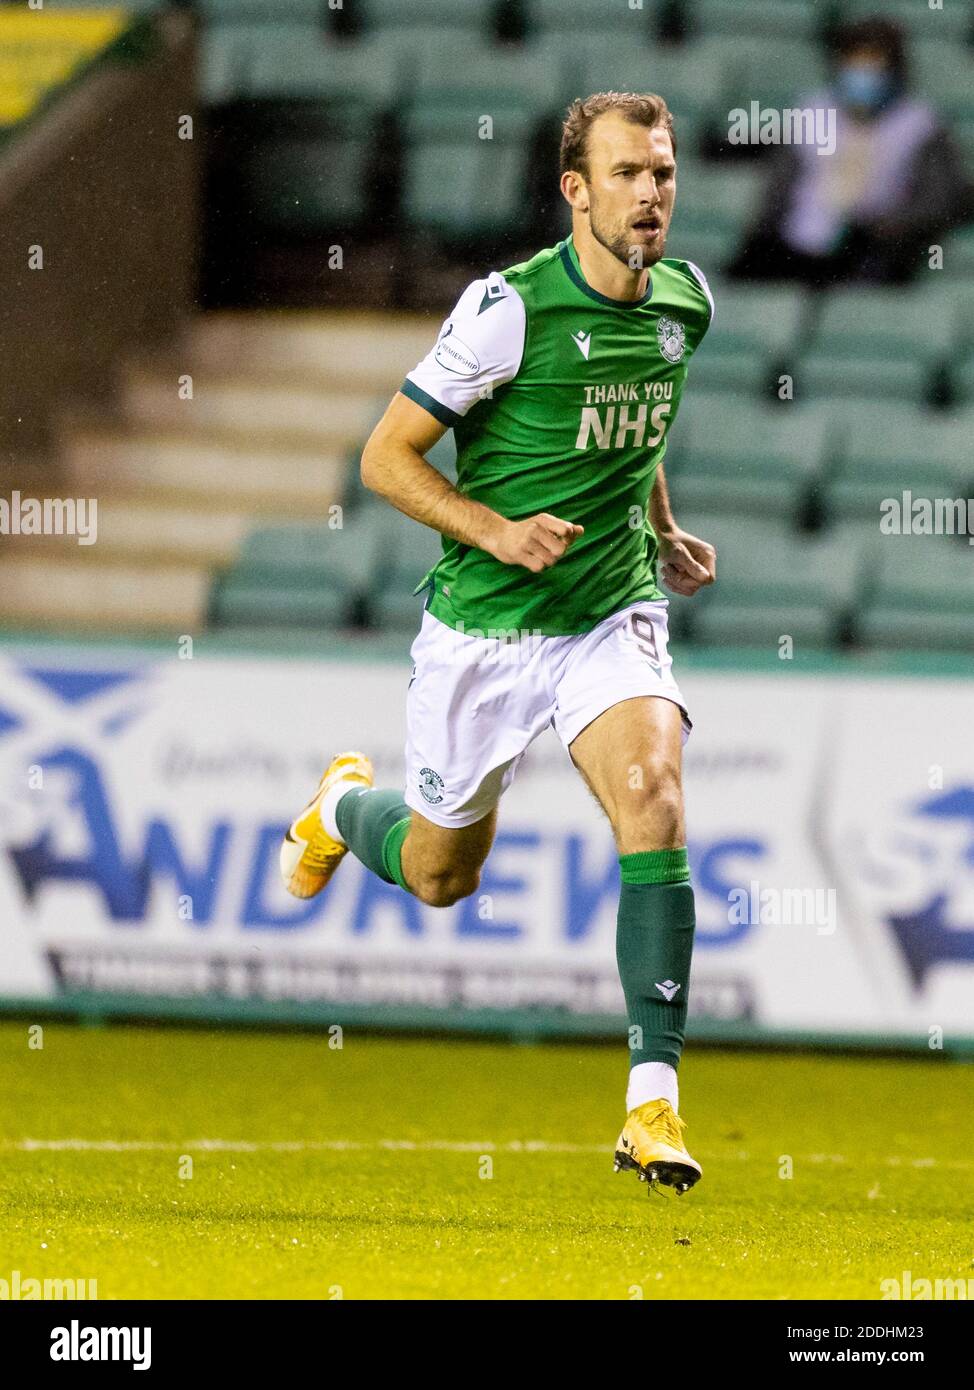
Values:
[(619, 239)]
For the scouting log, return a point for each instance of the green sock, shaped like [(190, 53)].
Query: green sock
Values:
[(654, 943), (373, 824)]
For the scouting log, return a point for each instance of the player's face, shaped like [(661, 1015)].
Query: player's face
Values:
[(631, 187)]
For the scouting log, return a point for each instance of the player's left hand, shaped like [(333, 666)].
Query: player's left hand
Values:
[(686, 563)]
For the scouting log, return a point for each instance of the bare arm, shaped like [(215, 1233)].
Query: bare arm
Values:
[(687, 563), (395, 467)]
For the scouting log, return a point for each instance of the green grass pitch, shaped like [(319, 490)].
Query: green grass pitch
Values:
[(362, 1172)]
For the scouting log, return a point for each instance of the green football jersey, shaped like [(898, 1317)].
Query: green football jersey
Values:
[(560, 400)]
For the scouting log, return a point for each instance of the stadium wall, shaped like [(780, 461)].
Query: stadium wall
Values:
[(145, 791), (104, 184)]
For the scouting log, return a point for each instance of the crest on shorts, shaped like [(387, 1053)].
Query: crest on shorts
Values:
[(672, 338), (430, 783)]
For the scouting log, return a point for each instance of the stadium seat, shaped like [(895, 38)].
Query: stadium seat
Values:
[(712, 207), (962, 377), (300, 62), (787, 18), (773, 581), (959, 256), (752, 459), (943, 70), (458, 185), (407, 551), (879, 342), (304, 575), (474, 73), (474, 15), (708, 246), (776, 72), (885, 448), (285, 61), (586, 19), (133, 6), (921, 21), (688, 77), (754, 336), (923, 595), (268, 11)]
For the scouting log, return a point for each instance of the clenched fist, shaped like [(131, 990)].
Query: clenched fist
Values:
[(536, 543), (686, 563)]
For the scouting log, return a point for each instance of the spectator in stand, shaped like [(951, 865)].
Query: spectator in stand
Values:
[(894, 185)]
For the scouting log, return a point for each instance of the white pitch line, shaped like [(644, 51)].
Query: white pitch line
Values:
[(511, 1146), (298, 1146)]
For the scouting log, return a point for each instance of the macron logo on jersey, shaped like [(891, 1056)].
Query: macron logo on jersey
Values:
[(583, 341)]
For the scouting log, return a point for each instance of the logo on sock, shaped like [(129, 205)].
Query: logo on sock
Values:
[(668, 989)]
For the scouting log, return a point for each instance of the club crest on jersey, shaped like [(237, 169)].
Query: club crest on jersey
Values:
[(430, 783), (672, 338)]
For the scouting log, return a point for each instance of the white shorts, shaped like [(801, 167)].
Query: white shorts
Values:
[(475, 703)]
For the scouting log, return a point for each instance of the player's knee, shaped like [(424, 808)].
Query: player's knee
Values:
[(654, 810), (445, 887)]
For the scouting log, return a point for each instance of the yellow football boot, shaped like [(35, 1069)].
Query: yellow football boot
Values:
[(652, 1142), (309, 855)]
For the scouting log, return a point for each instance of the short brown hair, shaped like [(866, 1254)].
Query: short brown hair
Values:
[(641, 108)]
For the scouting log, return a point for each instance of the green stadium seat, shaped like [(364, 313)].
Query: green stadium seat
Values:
[(309, 575), (923, 594), (883, 342), (266, 11), (316, 549), (777, 72), (962, 377), (754, 335), (958, 114), (585, 19), (728, 194), (886, 448), (133, 6), (473, 73), (475, 15), (773, 581), (950, 22), (763, 622), (712, 208), (457, 185), (959, 254), (943, 70), (408, 550), (787, 18), (288, 61), (239, 601), (300, 62), (687, 77), (710, 248), (746, 457)]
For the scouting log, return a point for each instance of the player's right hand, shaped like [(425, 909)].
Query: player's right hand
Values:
[(536, 543)]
